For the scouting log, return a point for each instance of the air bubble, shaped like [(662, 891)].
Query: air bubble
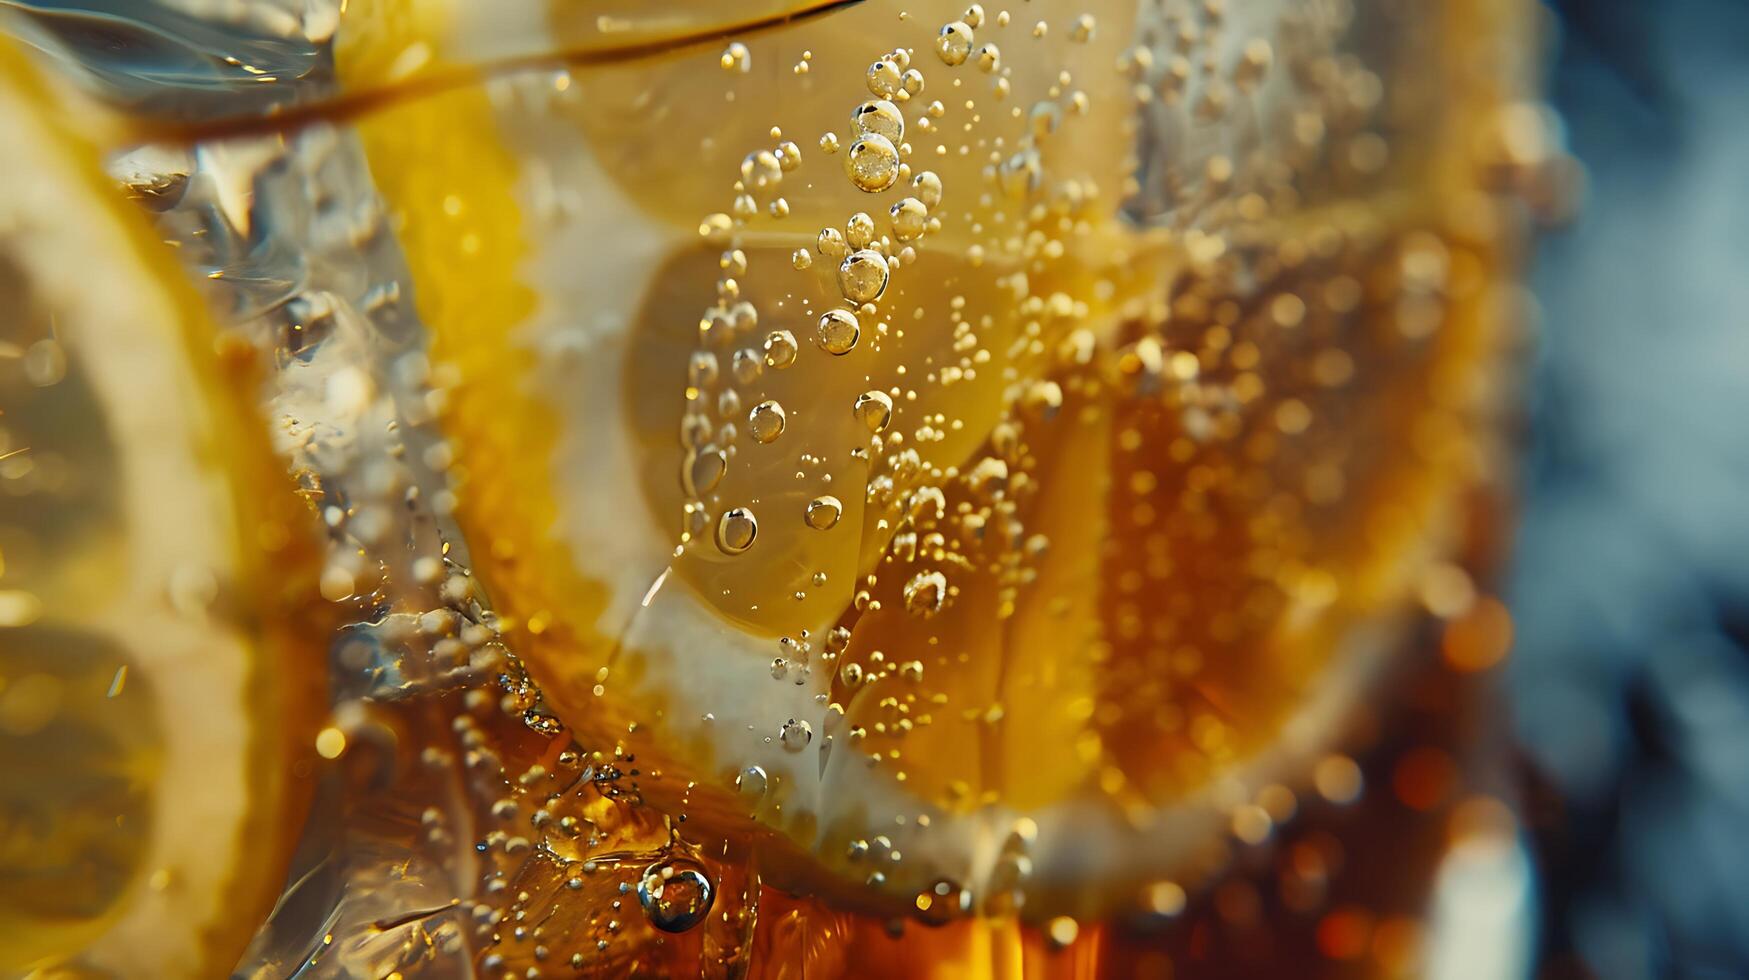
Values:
[(674, 897), (823, 512), (704, 470), (884, 78), (761, 171), (989, 58), (928, 187), (954, 43), (780, 349), (838, 331), (766, 422), (872, 163), (880, 117), (874, 409), (736, 530), (910, 218), (926, 593), (752, 782), (831, 243), (736, 58), (862, 277), (795, 734)]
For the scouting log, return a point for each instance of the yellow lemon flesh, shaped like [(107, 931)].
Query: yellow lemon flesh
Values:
[(148, 682), (964, 454)]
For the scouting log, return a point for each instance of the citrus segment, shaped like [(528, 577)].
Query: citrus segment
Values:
[(150, 683), (852, 461)]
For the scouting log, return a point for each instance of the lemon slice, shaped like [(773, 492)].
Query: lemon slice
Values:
[(969, 458), (149, 681)]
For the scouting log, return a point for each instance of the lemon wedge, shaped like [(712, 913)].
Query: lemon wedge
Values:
[(151, 685), (966, 456)]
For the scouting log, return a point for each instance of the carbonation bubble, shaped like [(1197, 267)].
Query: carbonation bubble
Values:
[(975, 15), (823, 512), (674, 897), (766, 422), (752, 782), (874, 409), (928, 187), (761, 170), (704, 470), (795, 734), (789, 155), (883, 78), (1082, 30), (831, 243), (880, 117), (989, 58), (910, 216), (926, 593), (701, 370), (954, 43), (745, 366), (912, 82), (780, 349), (801, 259), (872, 163), (863, 276), (736, 58), (838, 331), (859, 230), (736, 530)]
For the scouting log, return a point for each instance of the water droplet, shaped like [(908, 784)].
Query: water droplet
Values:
[(910, 217), (880, 117), (954, 43), (872, 163), (674, 896), (780, 349), (736, 530), (838, 331), (795, 734), (862, 277), (824, 512), (874, 409), (704, 470), (766, 422)]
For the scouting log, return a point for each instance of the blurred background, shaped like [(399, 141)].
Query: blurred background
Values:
[(1630, 678)]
